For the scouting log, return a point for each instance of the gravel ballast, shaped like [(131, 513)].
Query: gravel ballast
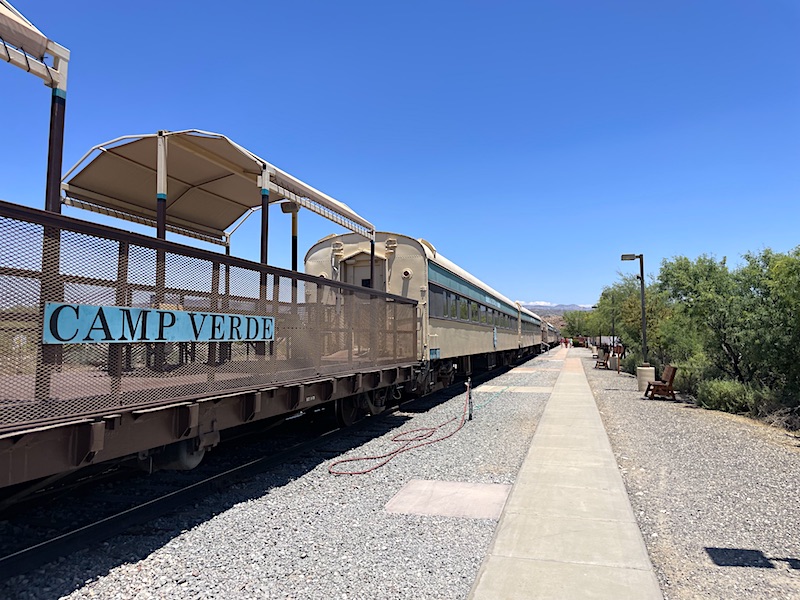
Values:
[(305, 534), (717, 496)]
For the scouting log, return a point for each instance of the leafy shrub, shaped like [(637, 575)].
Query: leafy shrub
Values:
[(659, 366), (687, 380), (630, 362), (633, 359), (766, 402), (690, 373), (726, 395)]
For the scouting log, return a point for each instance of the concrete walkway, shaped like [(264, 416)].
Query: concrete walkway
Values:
[(568, 531)]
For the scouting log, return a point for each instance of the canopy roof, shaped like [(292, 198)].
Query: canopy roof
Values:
[(18, 31), (211, 183), (23, 45)]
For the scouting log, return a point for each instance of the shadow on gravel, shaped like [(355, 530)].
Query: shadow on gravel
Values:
[(667, 400), (740, 557), (73, 572), (424, 404)]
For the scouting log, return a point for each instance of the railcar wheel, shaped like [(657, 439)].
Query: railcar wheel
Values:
[(180, 456), (376, 400), (348, 411)]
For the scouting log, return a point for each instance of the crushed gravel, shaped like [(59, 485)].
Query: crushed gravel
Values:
[(717, 496), (301, 533)]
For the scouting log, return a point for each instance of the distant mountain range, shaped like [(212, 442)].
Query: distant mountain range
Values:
[(545, 308)]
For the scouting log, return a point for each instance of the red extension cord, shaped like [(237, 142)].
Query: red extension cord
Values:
[(406, 438)]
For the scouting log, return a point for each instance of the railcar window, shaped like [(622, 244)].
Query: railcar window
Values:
[(444, 304), (463, 309), (437, 301)]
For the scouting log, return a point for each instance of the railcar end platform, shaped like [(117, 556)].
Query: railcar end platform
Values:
[(568, 529)]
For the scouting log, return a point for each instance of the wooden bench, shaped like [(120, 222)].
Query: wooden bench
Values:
[(602, 363), (663, 386)]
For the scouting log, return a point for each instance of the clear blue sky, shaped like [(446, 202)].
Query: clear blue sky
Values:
[(531, 142)]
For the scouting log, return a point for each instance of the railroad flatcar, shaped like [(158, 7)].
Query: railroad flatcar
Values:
[(462, 323)]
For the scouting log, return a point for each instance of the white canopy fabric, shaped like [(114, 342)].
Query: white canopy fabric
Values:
[(18, 31), (24, 46), (211, 183)]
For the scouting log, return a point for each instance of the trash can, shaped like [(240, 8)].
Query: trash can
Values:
[(644, 374), (613, 363)]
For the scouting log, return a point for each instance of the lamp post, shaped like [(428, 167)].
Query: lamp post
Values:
[(613, 335), (641, 281), (599, 330)]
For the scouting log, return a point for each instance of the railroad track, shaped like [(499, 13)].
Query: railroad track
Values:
[(34, 538), (65, 523), (78, 517)]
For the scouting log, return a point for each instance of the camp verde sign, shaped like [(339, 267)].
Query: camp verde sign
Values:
[(87, 324)]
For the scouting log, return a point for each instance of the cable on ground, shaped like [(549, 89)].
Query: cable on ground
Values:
[(409, 440)]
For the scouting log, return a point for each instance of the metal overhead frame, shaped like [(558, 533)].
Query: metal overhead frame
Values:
[(24, 46), (217, 163)]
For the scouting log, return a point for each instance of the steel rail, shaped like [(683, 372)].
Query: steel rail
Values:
[(28, 559), (33, 557)]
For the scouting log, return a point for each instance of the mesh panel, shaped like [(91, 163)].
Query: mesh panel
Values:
[(320, 329), (16, 235)]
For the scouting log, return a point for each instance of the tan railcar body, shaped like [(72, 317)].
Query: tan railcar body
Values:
[(402, 268)]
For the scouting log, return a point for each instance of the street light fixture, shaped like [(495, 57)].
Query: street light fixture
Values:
[(599, 329), (613, 315), (641, 280)]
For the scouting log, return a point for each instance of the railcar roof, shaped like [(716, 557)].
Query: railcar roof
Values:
[(434, 256)]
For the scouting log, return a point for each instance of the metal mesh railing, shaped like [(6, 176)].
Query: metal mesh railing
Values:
[(321, 328)]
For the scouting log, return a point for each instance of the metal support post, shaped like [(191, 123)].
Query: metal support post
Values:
[(55, 150), (372, 263), (469, 396), (644, 317)]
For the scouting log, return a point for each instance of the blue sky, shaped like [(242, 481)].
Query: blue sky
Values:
[(531, 142)]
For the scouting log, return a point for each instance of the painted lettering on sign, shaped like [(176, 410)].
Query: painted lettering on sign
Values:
[(88, 324)]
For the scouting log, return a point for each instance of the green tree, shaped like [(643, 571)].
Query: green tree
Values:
[(706, 291), (577, 323), (769, 285), (735, 333)]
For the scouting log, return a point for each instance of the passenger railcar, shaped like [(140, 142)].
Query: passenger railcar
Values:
[(552, 334), (463, 324)]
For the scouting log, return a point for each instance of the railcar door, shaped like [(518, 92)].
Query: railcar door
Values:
[(371, 315), (357, 271)]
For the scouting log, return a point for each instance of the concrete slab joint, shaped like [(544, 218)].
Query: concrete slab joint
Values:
[(567, 529)]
